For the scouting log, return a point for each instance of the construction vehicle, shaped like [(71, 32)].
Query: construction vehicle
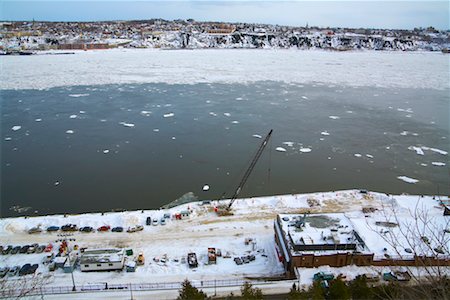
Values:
[(225, 210), (140, 259), (212, 259)]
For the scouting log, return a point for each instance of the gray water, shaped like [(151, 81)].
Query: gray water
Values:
[(45, 170)]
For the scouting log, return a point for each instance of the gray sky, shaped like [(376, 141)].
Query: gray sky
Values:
[(366, 14)]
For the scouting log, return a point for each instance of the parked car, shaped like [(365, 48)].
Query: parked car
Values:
[(34, 230), (104, 228), (52, 228), (238, 260), (32, 249), (135, 228), (24, 270), (7, 250), (167, 216), (117, 229), (3, 271), (69, 227), (33, 269), (14, 271), (162, 221), (86, 229), (148, 221), (155, 222), (24, 249), (15, 250), (48, 248), (40, 249)]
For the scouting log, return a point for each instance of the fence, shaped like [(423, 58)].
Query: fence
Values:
[(105, 287)]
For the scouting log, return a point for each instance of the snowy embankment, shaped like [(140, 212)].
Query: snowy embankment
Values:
[(353, 68), (165, 247)]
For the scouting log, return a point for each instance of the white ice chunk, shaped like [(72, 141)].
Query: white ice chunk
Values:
[(257, 136), (69, 131), (168, 115), (15, 128), (235, 122), (227, 114), (357, 155), (369, 155), (289, 144), (73, 116), (418, 150), (324, 133), (305, 150), (78, 95), (408, 179), (146, 113), (304, 97), (280, 149), (127, 124), (435, 150), (439, 164), (106, 151), (38, 120), (205, 187), (334, 117)]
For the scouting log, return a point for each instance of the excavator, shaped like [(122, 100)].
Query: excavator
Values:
[(224, 209)]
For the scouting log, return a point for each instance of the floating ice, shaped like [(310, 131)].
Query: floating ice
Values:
[(239, 98), (357, 155), (408, 179), (289, 144), (156, 130), (8, 139), (146, 113), (235, 122), (305, 150), (82, 112), (106, 151), (174, 138), (280, 149), (205, 187), (213, 114), (127, 124), (304, 97), (369, 156), (38, 120), (439, 164), (334, 117), (324, 133), (168, 115), (15, 128), (227, 114), (435, 150), (78, 95), (69, 131), (73, 116), (418, 150), (257, 136), (56, 183)]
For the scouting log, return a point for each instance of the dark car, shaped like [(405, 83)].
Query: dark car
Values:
[(40, 249), (24, 249), (117, 229), (148, 221), (7, 250), (33, 269), (69, 227), (86, 229), (52, 228), (15, 250), (24, 270), (238, 260), (13, 271), (3, 272)]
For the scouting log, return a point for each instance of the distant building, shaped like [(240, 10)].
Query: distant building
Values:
[(102, 260)]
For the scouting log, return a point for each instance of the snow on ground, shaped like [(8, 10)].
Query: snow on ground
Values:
[(253, 218), (382, 68)]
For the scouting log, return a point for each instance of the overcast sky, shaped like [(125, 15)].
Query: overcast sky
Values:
[(363, 13)]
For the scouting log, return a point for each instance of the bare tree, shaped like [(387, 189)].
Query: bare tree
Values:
[(22, 287), (419, 242)]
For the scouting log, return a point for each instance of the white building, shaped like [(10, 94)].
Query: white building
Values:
[(102, 260)]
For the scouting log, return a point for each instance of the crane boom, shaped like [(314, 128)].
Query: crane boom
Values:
[(250, 168)]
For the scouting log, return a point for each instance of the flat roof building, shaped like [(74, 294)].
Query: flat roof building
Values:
[(102, 260)]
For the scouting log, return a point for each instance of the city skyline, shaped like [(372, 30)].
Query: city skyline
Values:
[(351, 14)]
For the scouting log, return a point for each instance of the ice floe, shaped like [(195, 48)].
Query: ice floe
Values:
[(334, 117), (305, 150), (205, 187), (227, 114), (15, 128), (257, 136), (435, 150), (235, 122), (418, 150), (357, 155), (8, 139), (408, 179), (304, 97), (289, 144), (156, 130), (73, 116), (69, 131), (438, 164), (146, 113), (127, 124), (38, 120), (369, 155), (78, 95), (169, 115), (280, 149), (324, 133), (106, 151), (213, 114)]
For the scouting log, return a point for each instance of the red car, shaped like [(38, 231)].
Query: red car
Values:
[(104, 228)]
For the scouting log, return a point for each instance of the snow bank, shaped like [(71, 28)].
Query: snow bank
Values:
[(382, 69)]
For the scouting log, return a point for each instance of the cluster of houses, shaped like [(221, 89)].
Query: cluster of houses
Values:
[(191, 34)]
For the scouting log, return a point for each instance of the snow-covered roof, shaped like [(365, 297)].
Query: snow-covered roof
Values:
[(102, 256)]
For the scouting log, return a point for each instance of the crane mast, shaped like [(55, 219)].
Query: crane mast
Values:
[(250, 168)]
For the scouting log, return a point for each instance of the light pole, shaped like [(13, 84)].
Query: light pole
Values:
[(71, 268)]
